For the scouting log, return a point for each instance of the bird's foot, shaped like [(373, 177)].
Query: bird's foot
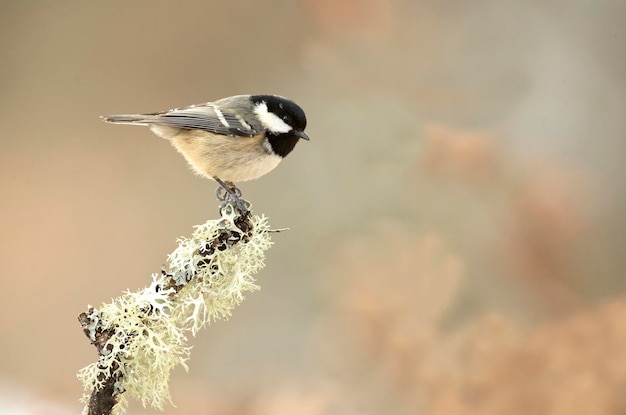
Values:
[(228, 192)]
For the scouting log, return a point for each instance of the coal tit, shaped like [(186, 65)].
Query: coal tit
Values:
[(233, 139)]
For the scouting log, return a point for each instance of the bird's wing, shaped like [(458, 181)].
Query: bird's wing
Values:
[(226, 121), (206, 117)]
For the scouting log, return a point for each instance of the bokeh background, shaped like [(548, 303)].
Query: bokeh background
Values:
[(457, 241)]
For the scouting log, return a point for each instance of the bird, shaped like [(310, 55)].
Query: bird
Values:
[(233, 139)]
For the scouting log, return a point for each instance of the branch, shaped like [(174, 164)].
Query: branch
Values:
[(140, 336)]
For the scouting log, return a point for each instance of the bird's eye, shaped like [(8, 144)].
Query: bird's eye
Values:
[(286, 119)]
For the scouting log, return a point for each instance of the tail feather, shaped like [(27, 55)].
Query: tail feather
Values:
[(135, 119)]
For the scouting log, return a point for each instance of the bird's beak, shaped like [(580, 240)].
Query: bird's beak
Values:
[(302, 134)]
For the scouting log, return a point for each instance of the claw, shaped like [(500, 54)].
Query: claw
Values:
[(221, 194), (228, 192), (240, 204)]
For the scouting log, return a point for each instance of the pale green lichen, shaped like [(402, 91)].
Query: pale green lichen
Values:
[(203, 282)]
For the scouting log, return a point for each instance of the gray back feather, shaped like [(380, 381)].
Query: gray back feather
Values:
[(229, 116)]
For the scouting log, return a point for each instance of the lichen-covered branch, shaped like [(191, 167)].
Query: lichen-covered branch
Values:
[(141, 336)]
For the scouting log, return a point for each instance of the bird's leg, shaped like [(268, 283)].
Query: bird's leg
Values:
[(228, 191)]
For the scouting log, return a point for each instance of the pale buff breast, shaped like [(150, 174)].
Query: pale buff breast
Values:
[(233, 159)]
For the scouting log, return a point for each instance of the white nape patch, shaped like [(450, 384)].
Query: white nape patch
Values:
[(220, 116), (270, 121)]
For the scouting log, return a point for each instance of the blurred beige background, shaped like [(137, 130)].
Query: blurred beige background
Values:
[(457, 220)]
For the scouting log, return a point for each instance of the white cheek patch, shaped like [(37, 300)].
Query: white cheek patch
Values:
[(270, 120)]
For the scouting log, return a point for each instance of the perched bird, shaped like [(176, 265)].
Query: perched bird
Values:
[(233, 139)]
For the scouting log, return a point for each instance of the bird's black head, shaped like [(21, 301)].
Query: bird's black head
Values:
[(283, 120)]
